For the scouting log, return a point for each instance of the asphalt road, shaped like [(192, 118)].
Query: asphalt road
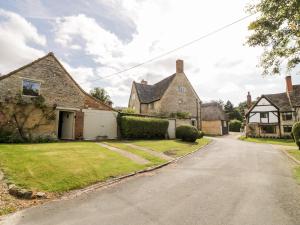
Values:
[(230, 182)]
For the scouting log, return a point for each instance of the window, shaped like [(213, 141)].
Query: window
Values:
[(181, 89), (264, 115), (287, 129), (31, 88), (268, 129), (287, 116)]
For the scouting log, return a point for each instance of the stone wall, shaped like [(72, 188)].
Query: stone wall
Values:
[(212, 127), (134, 102)]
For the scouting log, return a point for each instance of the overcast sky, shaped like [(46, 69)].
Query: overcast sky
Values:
[(96, 38)]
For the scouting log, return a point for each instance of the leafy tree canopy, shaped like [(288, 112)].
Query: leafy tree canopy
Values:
[(277, 30), (100, 94)]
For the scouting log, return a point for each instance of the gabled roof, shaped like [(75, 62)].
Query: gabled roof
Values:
[(150, 93), (280, 100), (212, 111), (51, 54)]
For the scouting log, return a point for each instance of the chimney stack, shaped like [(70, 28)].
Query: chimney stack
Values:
[(289, 84), (144, 82), (249, 100), (179, 66)]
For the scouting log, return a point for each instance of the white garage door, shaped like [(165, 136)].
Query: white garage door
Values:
[(99, 123)]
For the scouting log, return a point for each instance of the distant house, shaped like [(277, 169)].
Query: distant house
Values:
[(213, 119), (169, 96), (78, 115), (274, 114)]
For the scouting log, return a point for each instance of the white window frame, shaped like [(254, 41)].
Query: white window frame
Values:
[(31, 80)]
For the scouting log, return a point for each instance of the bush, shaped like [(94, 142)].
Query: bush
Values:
[(143, 127), (235, 125), (296, 133), (188, 133), (201, 134)]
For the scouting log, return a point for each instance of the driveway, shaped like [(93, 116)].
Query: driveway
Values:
[(228, 182)]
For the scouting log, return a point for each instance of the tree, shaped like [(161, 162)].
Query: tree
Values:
[(100, 94), (232, 112), (277, 30)]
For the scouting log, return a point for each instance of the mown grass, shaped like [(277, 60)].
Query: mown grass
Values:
[(288, 142), (172, 147), (153, 159), (57, 167)]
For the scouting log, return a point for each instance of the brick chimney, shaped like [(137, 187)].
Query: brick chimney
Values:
[(289, 84), (144, 82), (249, 100), (179, 66)]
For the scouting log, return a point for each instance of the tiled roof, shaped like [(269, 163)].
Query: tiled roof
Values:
[(280, 100), (150, 93), (212, 111)]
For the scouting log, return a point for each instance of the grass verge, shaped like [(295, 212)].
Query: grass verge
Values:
[(58, 167), (172, 147), (274, 141)]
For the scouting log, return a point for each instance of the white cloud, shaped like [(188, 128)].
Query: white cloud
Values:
[(16, 36)]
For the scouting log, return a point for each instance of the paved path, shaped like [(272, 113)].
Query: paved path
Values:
[(230, 182), (129, 155), (152, 152)]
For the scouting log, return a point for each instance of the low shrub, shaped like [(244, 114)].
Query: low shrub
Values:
[(143, 127), (201, 134), (187, 133), (296, 133), (235, 125)]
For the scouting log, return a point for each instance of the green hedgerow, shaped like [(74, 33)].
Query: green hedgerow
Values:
[(143, 127)]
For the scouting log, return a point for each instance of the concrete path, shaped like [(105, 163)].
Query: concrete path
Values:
[(151, 152), (126, 154), (230, 182)]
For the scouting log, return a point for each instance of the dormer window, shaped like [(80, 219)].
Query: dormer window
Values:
[(31, 88)]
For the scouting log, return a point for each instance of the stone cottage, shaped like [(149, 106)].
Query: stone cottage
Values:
[(214, 119), (174, 94), (47, 77)]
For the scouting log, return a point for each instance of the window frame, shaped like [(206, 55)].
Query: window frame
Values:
[(284, 115), (33, 81), (181, 89), (263, 131), (287, 126)]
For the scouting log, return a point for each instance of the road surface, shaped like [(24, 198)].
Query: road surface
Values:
[(230, 182)]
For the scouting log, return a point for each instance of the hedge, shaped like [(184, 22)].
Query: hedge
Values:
[(188, 133), (235, 125), (296, 133), (143, 127)]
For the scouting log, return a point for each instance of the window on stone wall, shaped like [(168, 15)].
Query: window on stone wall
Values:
[(181, 89), (31, 88), (286, 116), (268, 129), (287, 129)]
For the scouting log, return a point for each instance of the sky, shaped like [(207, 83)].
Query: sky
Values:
[(96, 38)]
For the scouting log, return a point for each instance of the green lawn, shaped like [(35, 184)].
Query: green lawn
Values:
[(296, 154), (172, 147), (154, 160), (57, 167), (288, 142)]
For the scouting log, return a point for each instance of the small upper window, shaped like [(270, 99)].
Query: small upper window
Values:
[(264, 115), (31, 88), (286, 116), (181, 89)]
